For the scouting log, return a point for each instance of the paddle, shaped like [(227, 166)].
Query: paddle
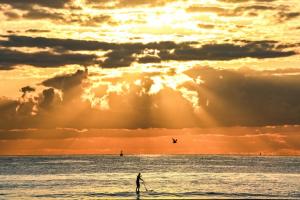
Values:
[(145, 186)]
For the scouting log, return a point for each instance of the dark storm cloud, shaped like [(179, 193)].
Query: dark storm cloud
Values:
[(121, 58), (284, 16), (60, 44), (83, 20), (20, 113), (37, 31), (27, 89), (24, 5), (66, 82), (37, 14), (69, 84), (124, 54), (53, 10), (120, 54), (48, 98), (12, 15), (79, 45), (11, 58), (7, 107), (10, 116), (238, 99), (59, 17), (149, 59), (225, 52), (256, 7)]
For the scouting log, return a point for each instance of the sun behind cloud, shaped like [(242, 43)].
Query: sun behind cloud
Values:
[(73, 65)]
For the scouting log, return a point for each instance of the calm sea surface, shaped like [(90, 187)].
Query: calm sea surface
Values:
[(184, 176)]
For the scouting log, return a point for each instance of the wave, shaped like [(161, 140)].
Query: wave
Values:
[(220, 194), (117, 194), (156, 194), (59, 196), (63, 161)]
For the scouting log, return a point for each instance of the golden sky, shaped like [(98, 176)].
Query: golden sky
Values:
[(143, 65), (268, 140)]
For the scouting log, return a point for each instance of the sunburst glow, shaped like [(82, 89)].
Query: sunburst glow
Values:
[(162, 64)]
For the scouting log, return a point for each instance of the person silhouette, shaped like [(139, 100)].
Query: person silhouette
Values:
[(138, 185)]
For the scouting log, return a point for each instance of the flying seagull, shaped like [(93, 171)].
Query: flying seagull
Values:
[(174, 140)]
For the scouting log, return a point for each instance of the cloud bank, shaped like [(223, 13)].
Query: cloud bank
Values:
[(65, 52), (204, 97)]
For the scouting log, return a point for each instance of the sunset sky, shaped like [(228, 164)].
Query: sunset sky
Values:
[(98, 76)]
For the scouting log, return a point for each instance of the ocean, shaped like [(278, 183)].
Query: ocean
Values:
[(166, 177)]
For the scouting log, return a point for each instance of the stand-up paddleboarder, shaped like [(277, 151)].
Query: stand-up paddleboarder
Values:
[(138, 185)]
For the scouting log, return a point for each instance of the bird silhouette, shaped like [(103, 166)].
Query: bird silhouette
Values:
[(174, 140)]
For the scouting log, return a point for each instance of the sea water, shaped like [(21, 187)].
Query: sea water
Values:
[(166, 176)]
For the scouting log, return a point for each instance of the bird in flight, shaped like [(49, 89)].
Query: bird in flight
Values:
[(174, 140)]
